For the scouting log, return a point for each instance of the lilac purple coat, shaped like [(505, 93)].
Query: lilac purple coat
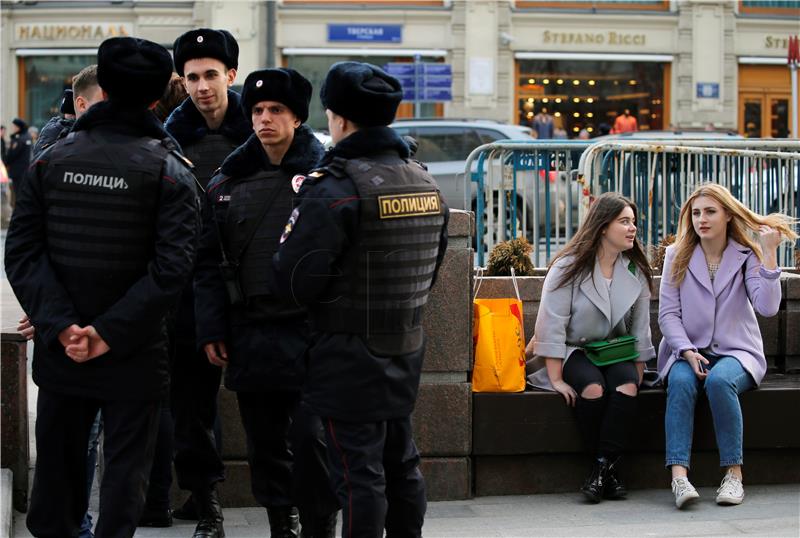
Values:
[(721, 315)]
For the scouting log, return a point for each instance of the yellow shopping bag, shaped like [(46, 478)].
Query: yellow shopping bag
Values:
[(499, 344)]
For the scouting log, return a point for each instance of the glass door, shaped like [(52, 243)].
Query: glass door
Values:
[(778, 117), (751, 112)]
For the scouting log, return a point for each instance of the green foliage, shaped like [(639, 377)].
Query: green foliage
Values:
[(508, 254)]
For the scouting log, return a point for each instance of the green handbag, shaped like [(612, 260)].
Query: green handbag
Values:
[(605, 352)]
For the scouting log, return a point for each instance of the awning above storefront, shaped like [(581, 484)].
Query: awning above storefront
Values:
[(354, 51), (592, 56), (55, 52), (762, 60)]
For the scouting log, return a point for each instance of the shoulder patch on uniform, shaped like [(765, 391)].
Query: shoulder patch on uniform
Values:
[(287, 230), (182, 158), (394, 206), (297, 182)]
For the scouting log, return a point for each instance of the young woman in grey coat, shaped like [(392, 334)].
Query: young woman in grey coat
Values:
[(598, 288)]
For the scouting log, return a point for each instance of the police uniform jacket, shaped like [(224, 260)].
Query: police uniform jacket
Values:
[(104, 234), (260, 357), (55, 128), (18, 155), (348, 379), (207, 150)]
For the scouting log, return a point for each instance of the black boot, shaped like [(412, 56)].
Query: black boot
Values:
[(187, 511), (613, 488), (156, 517), (593, 488), (209, 512), (284, 522), (319, 526)]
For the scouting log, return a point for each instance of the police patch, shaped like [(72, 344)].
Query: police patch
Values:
[(224, 198), (290, 225), (297, 182), (409, 205)]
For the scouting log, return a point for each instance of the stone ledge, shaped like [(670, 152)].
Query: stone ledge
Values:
[(442, 419), (447, 479)]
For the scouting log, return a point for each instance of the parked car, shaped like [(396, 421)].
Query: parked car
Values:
[(445, 144)]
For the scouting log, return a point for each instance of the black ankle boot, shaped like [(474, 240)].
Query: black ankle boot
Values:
[(613, 488), (284, 522), (209, 513), (318, 526), (593, 487)]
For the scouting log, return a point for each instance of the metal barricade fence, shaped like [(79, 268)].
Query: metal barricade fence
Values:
[(550, 183), (763, 174), (524, 188)]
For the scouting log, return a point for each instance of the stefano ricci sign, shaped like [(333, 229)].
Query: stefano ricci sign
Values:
[(56, 32)]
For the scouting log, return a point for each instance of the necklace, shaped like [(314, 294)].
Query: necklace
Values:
[(712, 269)]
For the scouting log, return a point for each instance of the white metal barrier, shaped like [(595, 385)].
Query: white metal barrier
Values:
[(763, 174)]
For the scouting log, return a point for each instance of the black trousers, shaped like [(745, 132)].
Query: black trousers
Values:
[(604, 422), (375, 471), (58, 498), (161, 472), (193, 393), (266, 417)]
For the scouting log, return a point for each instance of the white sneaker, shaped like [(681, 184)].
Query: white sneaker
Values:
[(684, 491), (730, 490)]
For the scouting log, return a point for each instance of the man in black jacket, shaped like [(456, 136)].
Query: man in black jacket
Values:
[(98, 250), (18, 156), (261, 339), (362, 250), (208, 126)]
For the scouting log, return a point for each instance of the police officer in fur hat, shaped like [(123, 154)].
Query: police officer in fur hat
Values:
[(259, 338), (98, 250), (362, 250), (208, 125)]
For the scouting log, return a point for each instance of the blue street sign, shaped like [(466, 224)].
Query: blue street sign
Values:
[(438, 82), (708, 90), (438, 69), (438, 94), (399, 70), (423, 82), (383, 33)]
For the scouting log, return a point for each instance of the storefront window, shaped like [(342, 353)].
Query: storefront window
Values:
[(314, 68), (44, 80), (578, 95)]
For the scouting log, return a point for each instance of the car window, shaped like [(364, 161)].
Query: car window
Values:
[(438, 144), (487, 136)]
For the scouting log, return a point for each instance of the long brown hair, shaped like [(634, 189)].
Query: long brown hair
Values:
[(586, 242), (740, 228)]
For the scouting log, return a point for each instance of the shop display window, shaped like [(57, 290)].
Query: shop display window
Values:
[(590, 96), (43, 80)]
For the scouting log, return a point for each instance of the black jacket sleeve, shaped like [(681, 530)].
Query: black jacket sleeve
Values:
[(177, 224), (49, 134), (30, 274), (324, 222), (210, 295)]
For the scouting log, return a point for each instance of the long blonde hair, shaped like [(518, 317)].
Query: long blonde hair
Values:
[(741, 228)]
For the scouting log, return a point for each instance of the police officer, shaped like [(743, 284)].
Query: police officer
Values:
[(259, 338), (208, 125), (362, 250), (99, 248)]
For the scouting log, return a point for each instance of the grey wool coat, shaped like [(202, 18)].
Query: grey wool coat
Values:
[(586, 310)]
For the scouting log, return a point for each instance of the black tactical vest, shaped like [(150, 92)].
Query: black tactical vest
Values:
[(248, 197), (207, 155), (101, 204), (387, 273)]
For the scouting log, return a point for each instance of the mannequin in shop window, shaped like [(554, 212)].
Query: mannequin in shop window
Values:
[(625, 123), (559, 133), (543, 125)]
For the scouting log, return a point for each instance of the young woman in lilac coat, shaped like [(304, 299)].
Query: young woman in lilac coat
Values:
[(720, 272)]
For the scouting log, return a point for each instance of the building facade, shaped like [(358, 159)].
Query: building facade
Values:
[(689, 64)]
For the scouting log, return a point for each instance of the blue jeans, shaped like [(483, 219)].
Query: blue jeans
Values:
[(91, 464), (726, 380)]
